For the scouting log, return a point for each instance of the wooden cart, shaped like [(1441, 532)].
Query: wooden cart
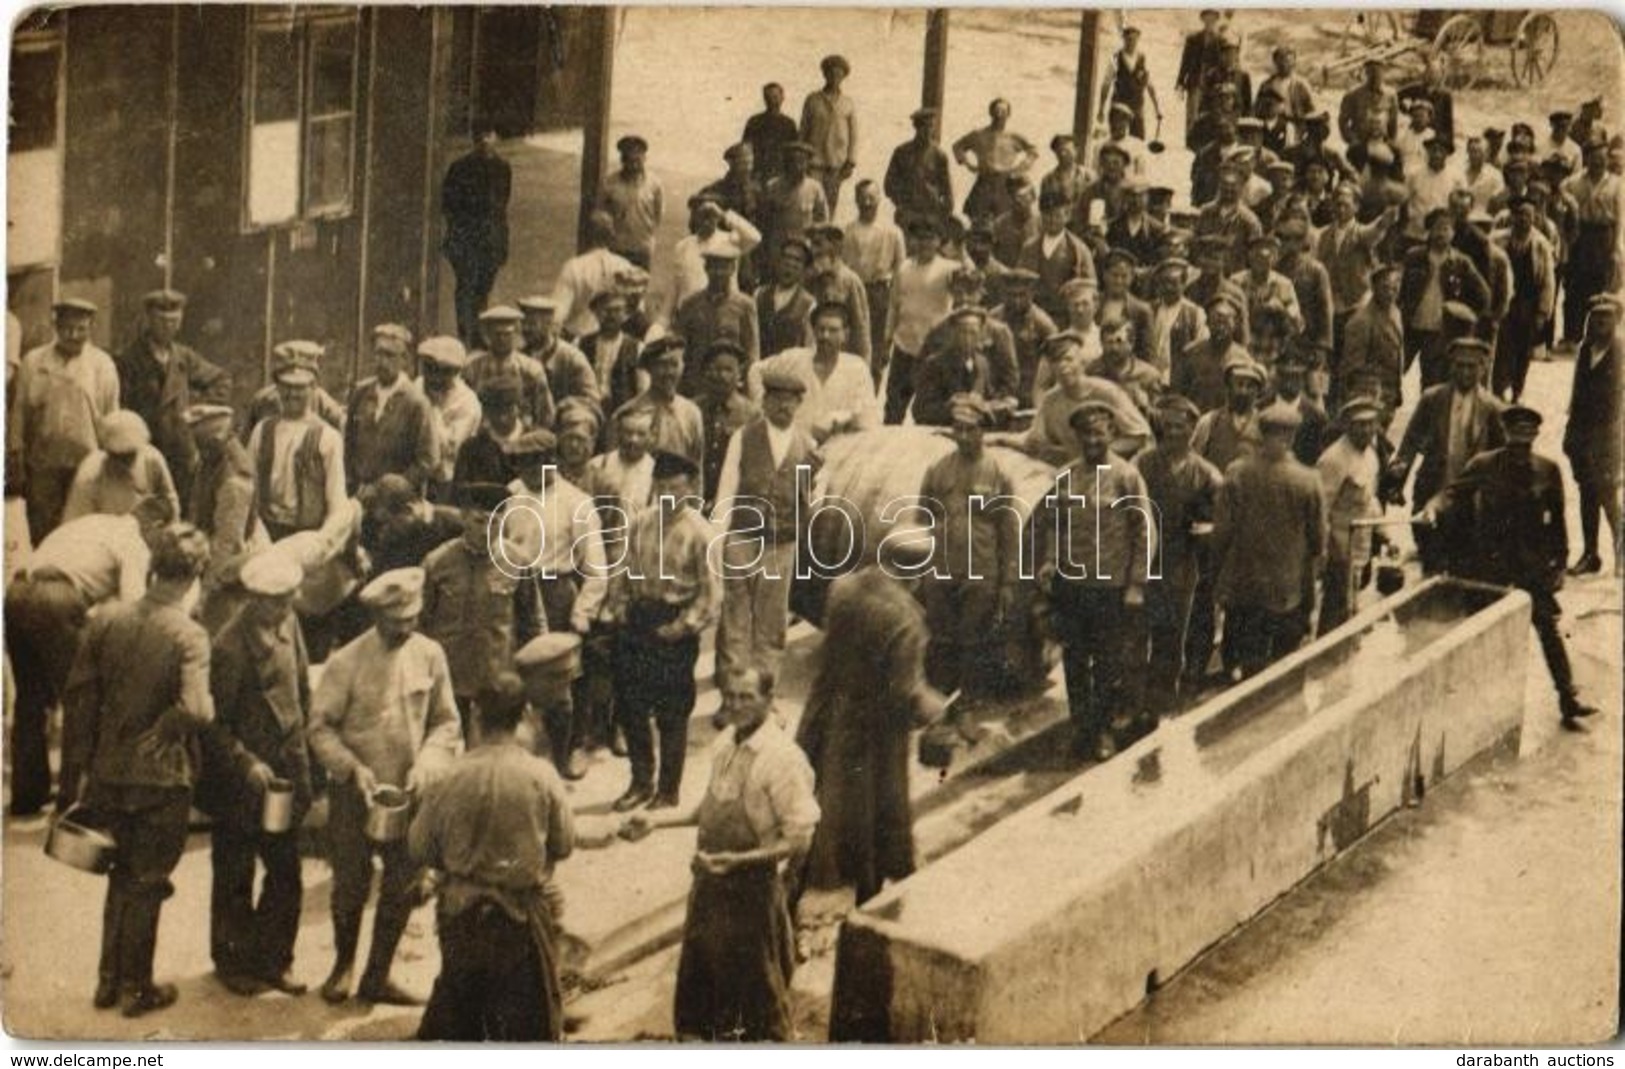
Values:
[(1459, 42)]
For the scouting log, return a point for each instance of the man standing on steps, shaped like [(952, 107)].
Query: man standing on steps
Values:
[(474, 200), (382, 715)]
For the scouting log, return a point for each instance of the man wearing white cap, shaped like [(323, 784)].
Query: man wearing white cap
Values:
[(1349, 481), (452, 402), (503, 360), (389, 428), (267, 402), (63, 390), (382, 715), (569, 373), (126, 469), (716, 313), (258, 675), (709, 222), (298, 461)]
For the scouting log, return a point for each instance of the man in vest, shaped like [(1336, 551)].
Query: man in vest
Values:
[(298, 461), (267, 400), (760, 503)]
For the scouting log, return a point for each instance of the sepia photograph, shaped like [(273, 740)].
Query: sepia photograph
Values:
[(637, 525)]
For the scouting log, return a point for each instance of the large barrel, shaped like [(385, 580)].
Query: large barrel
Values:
[(879, 471)]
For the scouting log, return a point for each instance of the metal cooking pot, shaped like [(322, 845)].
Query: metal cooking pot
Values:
[(276, 808), (79, 845), (1156, 147), (389, 814)]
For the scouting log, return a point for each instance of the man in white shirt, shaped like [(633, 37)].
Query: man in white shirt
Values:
[(874, 249), (1559, 143), (839, 395), (636, 201), (453, 403), (623, 479), (298, 462), (1481, 177), (583, 277), (709, 223), (1119, 120), (1429, 187), (125, 470), (923, 295), (1349, 471)]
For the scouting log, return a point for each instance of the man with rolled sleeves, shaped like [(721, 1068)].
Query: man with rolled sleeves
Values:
[(267, 401), (762, 492), (160, 378), (1350, 477), (1185, 487), (62, 392), (453, 404), (298, 461), (259, 679), (635, 200), (1269, 537), (1096, 543), (134, 704), (503, 360), (79, 565), (1453, 422), (668, 592), (390, 428), (1502, 522), (382, 715), (829, 123), (126, 469)]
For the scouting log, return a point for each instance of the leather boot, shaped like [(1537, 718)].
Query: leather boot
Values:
[(138, 945), (346, 934), (107, 970)]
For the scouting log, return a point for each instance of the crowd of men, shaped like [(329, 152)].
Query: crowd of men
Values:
[(504, 561)]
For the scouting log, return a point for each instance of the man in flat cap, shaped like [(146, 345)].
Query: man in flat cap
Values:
[(1029, 326), (160, 378), (259, 677), (918, 182), (298, 461), (1594, 258), (1517, 494), (134, 704), (763, 490), (1350, 486), (1433, 274), (740, 192), (502, 359), (453, 405), (593, 271), (840, 395), (676, 425), (1429, 184), (667, 594), (1176, 320), (922, 298), (970, 592), (1199, 373), (1127, 84), (1348, 248), (1227, 433), (995, 154), (1265, 289), (1371, 105), (1119, 125), (484, 458), (1050, 438), (611, 352), (1096, 542), (1592, 438), (873, 249), (382, 715), (390, 428), (1481, 177), (63, 391), (126, 469), (768, 132), (1374, 339), (829, 123), (724, 406), (1134, 230), (1453, 422), (1200, 55), (1057, 255), (1560, 142), (222, 505), (1227, 217), (1269, 537), (635, 200), (832, 281), (717, 313), (474, 201), (965, 365), (569, 373), (783, 301), (709, 224), (267, 401), (1185, 487)]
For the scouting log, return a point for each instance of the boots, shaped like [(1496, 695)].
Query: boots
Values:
[(139, 943), (346, 934), (387, 929), (107, 971)]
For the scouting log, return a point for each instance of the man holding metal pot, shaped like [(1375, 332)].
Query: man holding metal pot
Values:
[(256, 779), (383, 723)]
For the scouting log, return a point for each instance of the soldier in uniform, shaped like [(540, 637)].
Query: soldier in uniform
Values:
[(259, 679), (1593, 436), (383, 714), (136, 699), (1502, 522)]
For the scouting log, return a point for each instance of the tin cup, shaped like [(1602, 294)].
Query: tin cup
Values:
[(389, 814), (276, 808)]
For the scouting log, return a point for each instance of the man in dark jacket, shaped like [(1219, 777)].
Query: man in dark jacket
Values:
[(1433, 274), (474, 200), (1593, 436), (1502, 520), (255, 746), (160, 378)]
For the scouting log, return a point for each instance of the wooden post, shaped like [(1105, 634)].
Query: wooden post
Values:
[(1083, 112), (936, 62), (595, 130)]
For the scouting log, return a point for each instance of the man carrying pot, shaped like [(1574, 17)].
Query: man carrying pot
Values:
[(256, 779), (383, 716)]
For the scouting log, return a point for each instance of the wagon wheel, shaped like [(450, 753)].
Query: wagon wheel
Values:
[(1368, 29), (1534, 48), (1459, 51)]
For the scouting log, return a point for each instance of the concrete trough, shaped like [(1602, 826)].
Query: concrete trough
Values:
[(1064, 916)]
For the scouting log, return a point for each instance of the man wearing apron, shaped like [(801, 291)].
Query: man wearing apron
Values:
[(759, 810)]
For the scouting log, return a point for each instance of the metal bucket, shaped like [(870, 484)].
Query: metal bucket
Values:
[(389, 814), (79, 845), (276, 808)]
